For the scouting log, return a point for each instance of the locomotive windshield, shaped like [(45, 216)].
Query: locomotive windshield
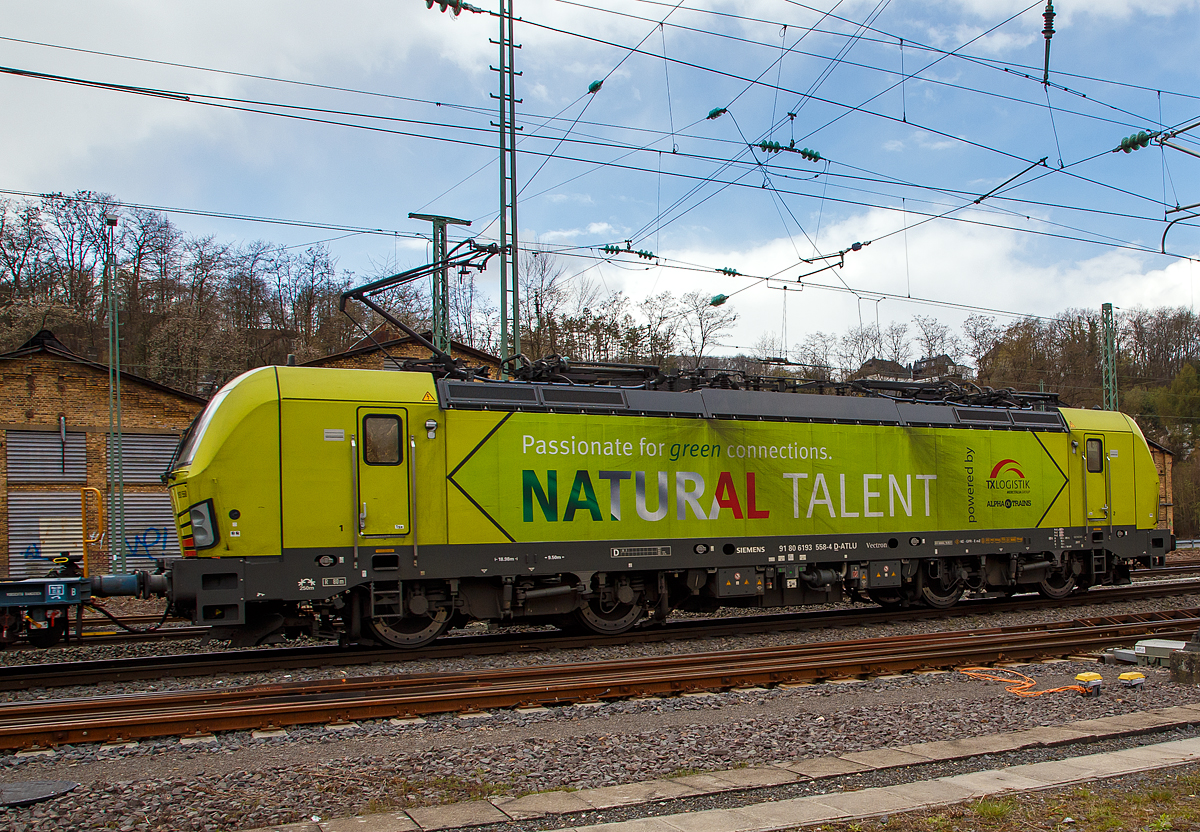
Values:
[(192, 440)]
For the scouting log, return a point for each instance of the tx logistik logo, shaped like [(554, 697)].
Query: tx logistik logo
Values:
[(1008, 477)]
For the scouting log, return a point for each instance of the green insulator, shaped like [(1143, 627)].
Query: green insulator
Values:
[(595, 86), (718, 300), (717, 112)]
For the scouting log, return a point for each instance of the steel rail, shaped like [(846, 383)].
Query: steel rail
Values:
[(289, 658), (48, 723), (1167, 571)]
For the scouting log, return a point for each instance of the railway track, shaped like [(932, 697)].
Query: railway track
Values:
[(111, 718), (287, 658), (100, 630)]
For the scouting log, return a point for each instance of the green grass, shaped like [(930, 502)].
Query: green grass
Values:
[(991, 808)]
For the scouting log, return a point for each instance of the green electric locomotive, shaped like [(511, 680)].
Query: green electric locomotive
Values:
[(388, 505)]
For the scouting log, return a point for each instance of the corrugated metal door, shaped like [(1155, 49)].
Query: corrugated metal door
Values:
[(149, 530), (41, 526), (147, 456), (42, 456)]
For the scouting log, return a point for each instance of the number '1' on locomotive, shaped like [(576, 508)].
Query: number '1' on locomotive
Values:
[(389, 505)]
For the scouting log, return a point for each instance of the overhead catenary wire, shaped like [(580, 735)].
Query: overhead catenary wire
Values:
[(887, 37), (180, 96), (595, 88), (826, 181), (850, 108), (223, 215), (478, 109)]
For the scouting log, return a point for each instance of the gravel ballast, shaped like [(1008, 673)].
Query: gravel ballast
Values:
[(467, 664), (241, 782)]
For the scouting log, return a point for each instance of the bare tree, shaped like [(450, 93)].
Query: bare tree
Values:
[(859, 345), (935, 338), (544, 299), (816, 355), (22, 246), (703, 324), (74, 228), (474, 319), (981, 334), (894, 343), (662, 313)]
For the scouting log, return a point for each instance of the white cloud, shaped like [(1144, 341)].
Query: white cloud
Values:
[(1066, 12), (580, 199), (594, 230), (927, 141), (958, 263)]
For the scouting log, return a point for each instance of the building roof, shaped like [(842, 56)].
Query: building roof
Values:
[(1159, 446), (884, 368), (45, 342), (384, 337)]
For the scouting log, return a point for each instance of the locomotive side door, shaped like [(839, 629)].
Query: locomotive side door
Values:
[(1095, 480), (382, 467)]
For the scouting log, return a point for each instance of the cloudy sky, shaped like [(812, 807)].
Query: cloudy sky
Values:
[(917, 110)]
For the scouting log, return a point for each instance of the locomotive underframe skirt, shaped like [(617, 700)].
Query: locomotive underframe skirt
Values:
[(220, 587)]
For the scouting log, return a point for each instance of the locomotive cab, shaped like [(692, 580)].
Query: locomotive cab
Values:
[(293, 486)]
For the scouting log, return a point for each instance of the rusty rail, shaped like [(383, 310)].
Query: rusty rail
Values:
[(280, 658), (48, 723)]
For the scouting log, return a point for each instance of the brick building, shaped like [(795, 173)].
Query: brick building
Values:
[(53, 444), (387, 349), (1163, 461)]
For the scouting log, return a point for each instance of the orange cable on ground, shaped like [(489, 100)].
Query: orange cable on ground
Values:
[(1021, 685)]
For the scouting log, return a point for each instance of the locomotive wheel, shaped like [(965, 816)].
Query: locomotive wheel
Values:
[(410, 631), (1056, 586), (890, 599), (608, 622), (935, 595), (48, 636)]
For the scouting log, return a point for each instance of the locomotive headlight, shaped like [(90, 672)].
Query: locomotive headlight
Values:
[(204, 532)]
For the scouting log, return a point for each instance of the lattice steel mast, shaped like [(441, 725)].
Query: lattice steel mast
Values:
[(116, 456), (1108, 358), (510, 328), (440, 279)]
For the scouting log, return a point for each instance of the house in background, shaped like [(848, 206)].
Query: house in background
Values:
[(54, 443), (387, 349), (881, 369), (1164, 460), (939, 368)]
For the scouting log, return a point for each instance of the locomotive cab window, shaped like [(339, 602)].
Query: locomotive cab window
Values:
[(1095, 456), (381, 440)]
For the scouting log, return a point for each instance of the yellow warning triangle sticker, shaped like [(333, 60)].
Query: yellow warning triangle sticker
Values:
[(428, 397)]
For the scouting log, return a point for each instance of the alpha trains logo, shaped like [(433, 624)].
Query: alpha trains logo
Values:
[(1007, 478)]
